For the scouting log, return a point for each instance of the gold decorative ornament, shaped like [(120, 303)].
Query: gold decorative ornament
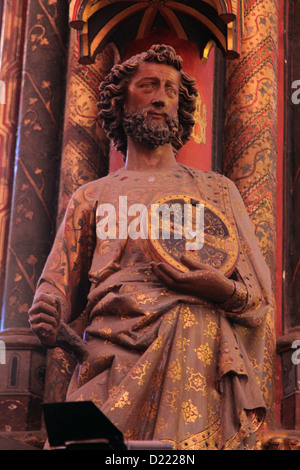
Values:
[(199, 129), (176, 227)]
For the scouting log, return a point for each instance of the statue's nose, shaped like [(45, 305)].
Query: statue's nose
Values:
[(158, 103)]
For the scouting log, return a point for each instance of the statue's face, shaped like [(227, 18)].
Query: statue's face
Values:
[(155, 88)]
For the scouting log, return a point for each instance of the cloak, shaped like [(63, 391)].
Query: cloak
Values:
[(163, 365)]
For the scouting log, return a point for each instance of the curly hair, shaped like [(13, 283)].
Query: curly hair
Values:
[(113, 92)]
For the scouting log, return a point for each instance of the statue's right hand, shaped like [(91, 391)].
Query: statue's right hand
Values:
[(44, 318)]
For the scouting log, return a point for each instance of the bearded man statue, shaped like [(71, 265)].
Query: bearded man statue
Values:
[(175, 336)]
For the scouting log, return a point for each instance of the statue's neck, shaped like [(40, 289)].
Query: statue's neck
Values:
[(141, 158)]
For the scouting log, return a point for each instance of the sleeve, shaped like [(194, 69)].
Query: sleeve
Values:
[(252, 297), (65, 273)]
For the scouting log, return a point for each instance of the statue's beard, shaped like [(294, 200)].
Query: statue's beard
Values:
[(142, 129)]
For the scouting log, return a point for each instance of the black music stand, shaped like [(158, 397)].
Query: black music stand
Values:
[(80, 425)]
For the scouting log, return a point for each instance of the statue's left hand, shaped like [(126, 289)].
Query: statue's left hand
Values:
[(202, 280)]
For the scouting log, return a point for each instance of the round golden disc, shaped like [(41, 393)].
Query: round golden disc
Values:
[(181, 224)]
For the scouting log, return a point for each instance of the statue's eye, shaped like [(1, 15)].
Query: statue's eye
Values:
[(147, 85), (172, 91)]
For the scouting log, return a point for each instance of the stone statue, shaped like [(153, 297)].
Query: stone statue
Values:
[(174, 342)]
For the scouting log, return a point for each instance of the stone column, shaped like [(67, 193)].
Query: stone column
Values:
[(250, 153), (85, 150), (33, 210), (12, 45), (32, 225)]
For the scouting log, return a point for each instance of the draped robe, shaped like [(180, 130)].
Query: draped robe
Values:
[(164, 365)]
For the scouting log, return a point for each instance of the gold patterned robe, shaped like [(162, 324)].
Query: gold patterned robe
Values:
[(165, 365)]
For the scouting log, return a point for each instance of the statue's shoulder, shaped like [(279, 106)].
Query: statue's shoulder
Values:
[(93, 189), (209, 176)]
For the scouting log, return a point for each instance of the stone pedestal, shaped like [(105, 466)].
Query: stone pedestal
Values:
[(22, 378)]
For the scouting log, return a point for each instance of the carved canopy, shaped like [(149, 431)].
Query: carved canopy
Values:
[(100, 22)]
